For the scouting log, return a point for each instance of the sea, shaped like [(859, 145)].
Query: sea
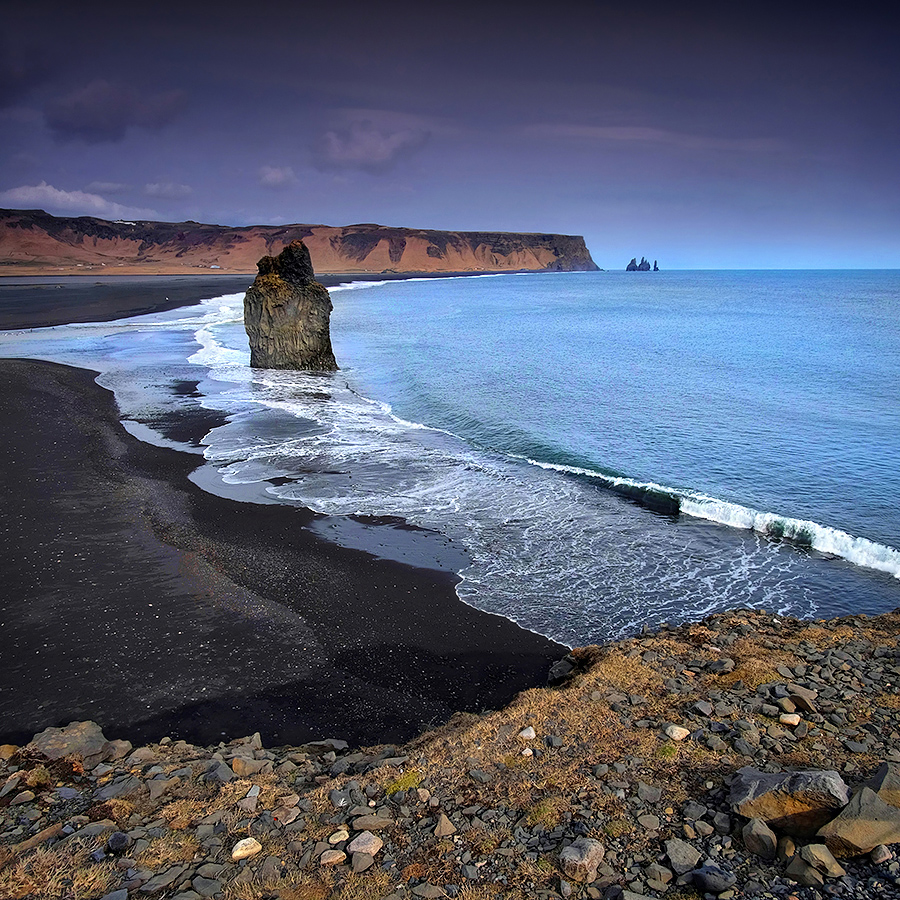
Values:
[(603, 450)]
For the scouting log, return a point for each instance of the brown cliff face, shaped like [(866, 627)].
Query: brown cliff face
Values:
[(33, 242), (286, 314)]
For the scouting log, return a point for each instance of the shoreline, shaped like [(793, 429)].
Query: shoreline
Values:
[(140, 601), (60, 299)]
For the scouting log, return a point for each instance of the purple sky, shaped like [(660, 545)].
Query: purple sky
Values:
[(700, 135)]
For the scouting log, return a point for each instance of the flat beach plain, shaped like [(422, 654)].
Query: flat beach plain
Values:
[(136, 599)]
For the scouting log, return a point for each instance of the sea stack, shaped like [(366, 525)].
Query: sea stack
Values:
[(286, 314)]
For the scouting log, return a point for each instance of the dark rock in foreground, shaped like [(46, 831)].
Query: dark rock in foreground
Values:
[(286, 314)]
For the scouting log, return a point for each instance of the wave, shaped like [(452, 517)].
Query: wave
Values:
[(803, 532)]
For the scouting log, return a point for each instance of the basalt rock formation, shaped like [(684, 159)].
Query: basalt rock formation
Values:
[(32, 242), (286, 314), (642, 266)]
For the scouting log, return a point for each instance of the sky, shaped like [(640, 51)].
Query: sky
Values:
[(701, 135)]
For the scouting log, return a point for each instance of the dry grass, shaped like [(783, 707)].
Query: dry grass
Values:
[(63, 872), (170, 848), (117, 809)]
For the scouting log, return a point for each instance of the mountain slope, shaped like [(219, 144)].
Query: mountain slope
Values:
[(35, 242)]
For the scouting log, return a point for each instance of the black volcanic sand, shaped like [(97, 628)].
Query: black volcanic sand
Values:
[(134, 598), (39, 301), (79, 298)]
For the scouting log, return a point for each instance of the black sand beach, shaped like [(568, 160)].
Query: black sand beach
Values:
[(132, 597), (40, 301)]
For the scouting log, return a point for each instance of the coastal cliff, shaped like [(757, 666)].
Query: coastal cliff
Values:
[(286, 314), (34, 242)]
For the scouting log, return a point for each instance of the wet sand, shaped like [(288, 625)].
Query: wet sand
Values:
[(134, 598)]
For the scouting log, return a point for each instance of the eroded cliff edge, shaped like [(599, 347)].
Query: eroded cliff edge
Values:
[(34, 242), (287, 314)]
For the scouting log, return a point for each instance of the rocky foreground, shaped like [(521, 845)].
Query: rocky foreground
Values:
[(745, 756)]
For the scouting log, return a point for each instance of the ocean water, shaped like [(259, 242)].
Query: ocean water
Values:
[(610, 449)]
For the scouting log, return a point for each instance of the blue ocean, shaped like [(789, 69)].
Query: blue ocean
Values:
[(606, 449)]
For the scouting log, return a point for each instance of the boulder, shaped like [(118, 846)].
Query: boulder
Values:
[(864, 823), (287, 313), (798, 803), (580, 859), (821, 858), (886, 783), (803, 873), (83, 740)]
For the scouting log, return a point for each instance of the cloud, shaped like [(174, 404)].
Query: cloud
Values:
[(21, 69), (168, 190), (107, 187), (363, 145), (104, 112), (45, 196), (276, 176), (645, 135)]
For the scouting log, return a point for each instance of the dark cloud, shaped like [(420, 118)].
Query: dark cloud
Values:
[(102, 112), (367, 146), (20, 72)]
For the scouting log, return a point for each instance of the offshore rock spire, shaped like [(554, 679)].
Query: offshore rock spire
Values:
[(287, 313)]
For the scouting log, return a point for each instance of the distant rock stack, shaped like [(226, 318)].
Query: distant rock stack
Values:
[(286, 314), (642, 266)]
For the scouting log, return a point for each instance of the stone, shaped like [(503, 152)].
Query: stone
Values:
[(339, 836), (881, 854), (243, 767), (862, 825), (428, 891), (648, 793), (580, 859), (803, 873), (118, 841), (444, 827), (676, 732), (713, 879), (160, 786), (206, 887), (371, 823), (359, 862), (286, 314), (124, 786), (332, 858), (366, 842), (659, 873), (245, 848), (121, 894), (163, 880), (83, 740), (527, 734), (886, 783), (682, 856), (760, 839), (220, 772), (798, 803), (820, 857)]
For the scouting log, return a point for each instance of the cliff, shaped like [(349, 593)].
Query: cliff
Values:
[(33, 242), (286, 314)]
